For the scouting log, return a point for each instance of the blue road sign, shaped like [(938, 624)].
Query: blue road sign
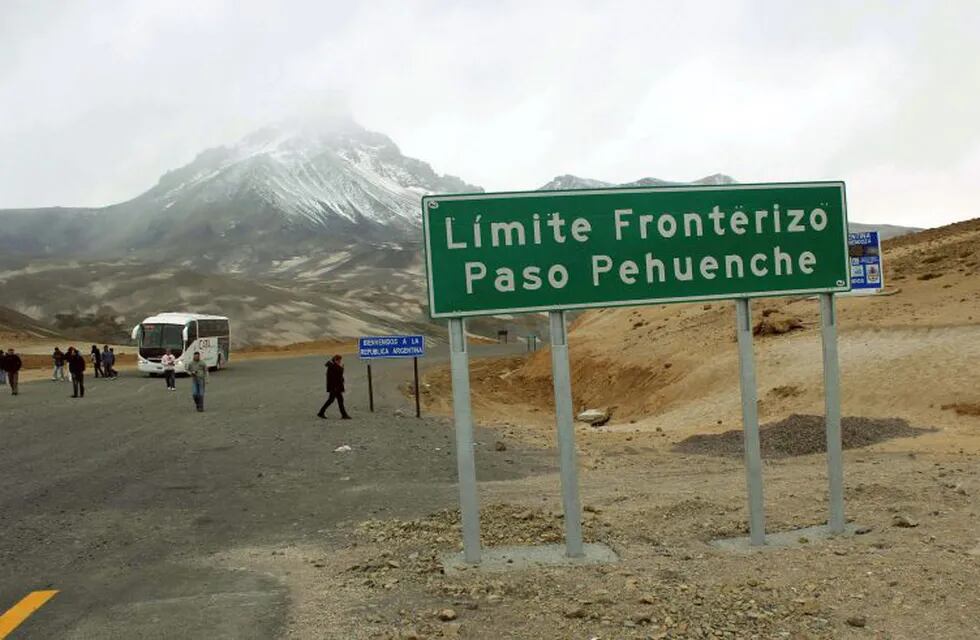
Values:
[(864, 250), (372, 347)]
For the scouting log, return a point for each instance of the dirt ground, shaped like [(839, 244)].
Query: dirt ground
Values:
[(668, 374)]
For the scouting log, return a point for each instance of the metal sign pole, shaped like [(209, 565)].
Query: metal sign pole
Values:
[(566, 436), (750, 423), (370, 390), (418, 404), (465, 460), (831, 384)]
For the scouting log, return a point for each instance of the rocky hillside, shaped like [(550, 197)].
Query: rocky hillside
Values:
[(16, 326), (298, 232), (240, 207), (674, 368)]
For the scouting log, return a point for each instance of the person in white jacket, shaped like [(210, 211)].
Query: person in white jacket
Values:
[(169, 363)]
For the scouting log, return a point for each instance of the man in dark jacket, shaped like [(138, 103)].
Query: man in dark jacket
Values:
[(12, 365), (76, 366), (335, 388), (97, 362)]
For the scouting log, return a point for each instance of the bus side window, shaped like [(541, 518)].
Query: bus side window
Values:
[(191, 332)]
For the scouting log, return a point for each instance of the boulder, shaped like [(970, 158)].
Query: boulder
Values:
[(594, 417)]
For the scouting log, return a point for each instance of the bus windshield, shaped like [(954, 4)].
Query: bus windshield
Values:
[(155, 339)]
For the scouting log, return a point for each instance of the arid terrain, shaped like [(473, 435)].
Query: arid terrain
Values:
[(669, 377), (660, 481)]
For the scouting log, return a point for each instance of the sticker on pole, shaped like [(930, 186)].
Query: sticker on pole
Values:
[(376, 347), (864, 250), (496, 253)]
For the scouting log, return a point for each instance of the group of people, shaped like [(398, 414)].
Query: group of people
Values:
[(197, 369), (75, 362), (102, 363), (11, 364)]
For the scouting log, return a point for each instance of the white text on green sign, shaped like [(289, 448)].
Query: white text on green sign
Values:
[(539, 251)]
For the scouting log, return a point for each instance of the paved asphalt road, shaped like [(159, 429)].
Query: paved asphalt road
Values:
[(112, 499)]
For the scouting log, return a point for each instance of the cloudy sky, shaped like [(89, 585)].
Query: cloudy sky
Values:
[(98, 98)]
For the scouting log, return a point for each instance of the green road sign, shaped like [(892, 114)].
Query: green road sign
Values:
[(492, 253)]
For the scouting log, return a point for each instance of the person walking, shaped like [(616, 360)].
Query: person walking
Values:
[(97, 362), (3, 374), (108, 362), (169, 363), (198, 371), (76, 367), (12, 365), (58, 358), (335, 388)]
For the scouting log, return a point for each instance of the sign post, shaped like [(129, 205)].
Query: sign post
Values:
[(567, 455), (384, 347), (522, 252), (418, 402), (370, 389), (831, 384), (750, 422), (465, 459)]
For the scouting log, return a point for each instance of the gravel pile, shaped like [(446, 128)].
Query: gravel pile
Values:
[(800, 435)]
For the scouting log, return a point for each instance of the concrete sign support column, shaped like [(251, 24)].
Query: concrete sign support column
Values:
[(465, 458), (831, 383), (566, 436), (750, 423)]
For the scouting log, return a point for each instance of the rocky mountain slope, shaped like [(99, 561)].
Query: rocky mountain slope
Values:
[(247, 204), (297, 231)]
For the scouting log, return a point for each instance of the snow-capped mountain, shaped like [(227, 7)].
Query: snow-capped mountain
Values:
[(568, 181), (318, 175), (279, 186)]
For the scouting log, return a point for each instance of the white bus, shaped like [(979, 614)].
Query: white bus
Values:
[(183, 334)]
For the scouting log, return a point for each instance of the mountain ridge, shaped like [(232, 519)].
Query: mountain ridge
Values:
[(298, 231)]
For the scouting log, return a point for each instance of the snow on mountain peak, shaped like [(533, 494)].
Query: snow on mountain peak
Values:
[(567, 181), (316, 173)]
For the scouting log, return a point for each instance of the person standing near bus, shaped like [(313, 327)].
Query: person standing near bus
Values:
[(198, 371), (76, 367), (97, 362), (335, 388), (169, 363), (12, 365)]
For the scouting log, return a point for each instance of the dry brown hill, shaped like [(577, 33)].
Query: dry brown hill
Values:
[(674, 368), (16, 326)]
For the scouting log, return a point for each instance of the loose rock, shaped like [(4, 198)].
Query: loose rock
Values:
[(857, 621), (904, 521), (575, 611), (446, 615), (594, 417)]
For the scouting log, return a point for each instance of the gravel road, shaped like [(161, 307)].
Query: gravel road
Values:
[(114, 499)]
